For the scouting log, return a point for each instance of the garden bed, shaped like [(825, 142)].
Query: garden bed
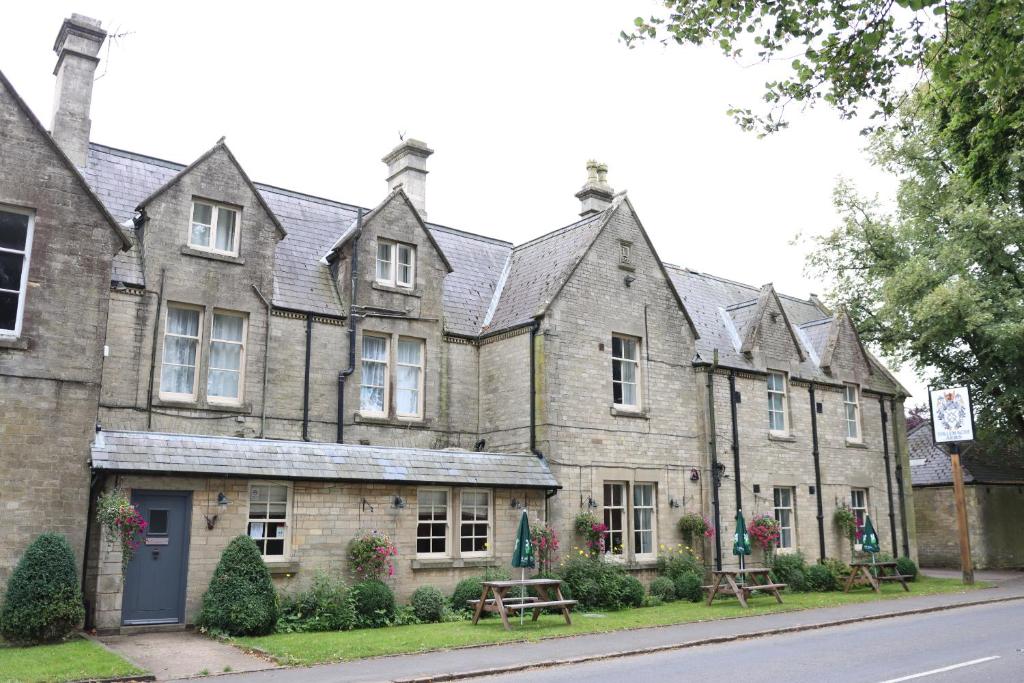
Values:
[(74, 660), (332, 646)]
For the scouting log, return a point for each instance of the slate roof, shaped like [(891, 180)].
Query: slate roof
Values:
[(158, 453), (978, 467)]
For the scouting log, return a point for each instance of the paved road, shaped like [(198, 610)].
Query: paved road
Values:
[(890, 650)]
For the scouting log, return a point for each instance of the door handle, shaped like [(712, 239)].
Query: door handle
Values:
[(156, 554)]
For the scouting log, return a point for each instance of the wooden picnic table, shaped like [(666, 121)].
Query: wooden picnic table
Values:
[(758, 579), (502, 603), (862, 575)]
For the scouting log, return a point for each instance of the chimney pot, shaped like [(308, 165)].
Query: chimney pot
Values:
[(78, 42), (407, 169), (596, 195)]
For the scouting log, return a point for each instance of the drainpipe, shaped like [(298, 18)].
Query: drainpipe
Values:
[(899, 483), (95, 485), (152, 355), (266, 360), (344, 374), (534, 328), (888, 474), (716, 475), (305, 386), (735, 439), (817, 474)]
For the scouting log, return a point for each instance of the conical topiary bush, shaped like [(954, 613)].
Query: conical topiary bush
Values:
[(240, 600), (44, 599)]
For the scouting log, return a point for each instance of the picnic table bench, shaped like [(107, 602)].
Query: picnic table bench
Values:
[(862, 576), (502, 603), (758, 580)]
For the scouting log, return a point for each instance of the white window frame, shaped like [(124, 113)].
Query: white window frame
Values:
[(862, 509), (422, 368), (393, 260), (653, 507), (791, 508), (784, 409), (447, 522), (287, 521), (177, 396), (489, 541), (215, 209), (848, 389), (387, 374), (22, 290), (609, 548), (634, 407), (241, 359)]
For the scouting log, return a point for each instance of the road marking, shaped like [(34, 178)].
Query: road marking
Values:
[(942, 670)]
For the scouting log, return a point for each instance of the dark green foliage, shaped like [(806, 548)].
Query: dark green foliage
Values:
[(241, 600), (790, 569), (44, 599), (906, 566), (663, 587), (466, 590), (839, 569), (428, 604), (327, 606), (819, 578), (375, 603), (596, 584), (675, 564), (689, 586)]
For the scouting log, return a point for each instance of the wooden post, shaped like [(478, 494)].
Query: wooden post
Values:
[(961, 514)]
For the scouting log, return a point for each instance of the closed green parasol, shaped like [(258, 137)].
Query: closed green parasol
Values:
[(868, 538), (741, 539), (522, 553)]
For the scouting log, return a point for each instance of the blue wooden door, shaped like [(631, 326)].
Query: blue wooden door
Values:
[(154, 590)]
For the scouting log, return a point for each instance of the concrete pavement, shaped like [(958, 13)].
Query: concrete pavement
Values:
[(446, 665), (182, 654)]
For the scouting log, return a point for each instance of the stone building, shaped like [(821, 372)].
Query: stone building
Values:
[(297, 368), (993, 491)]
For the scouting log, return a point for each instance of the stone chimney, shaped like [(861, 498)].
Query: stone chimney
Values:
[(407, 169), (77, 45), (597, 194)]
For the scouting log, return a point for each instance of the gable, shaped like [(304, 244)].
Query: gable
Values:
[(844, 355), (766, 328)]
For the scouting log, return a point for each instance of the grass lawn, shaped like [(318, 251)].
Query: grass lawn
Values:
[(69, 661), (315, 648)]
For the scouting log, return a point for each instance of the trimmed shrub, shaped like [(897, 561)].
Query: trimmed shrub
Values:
[(790, 569), (677, 562), (631, 591), (44, 599), (663, 587), (326, 606), (466, 590), (240, 600), (839, 569), (689, 586), (820, 579), (375, 603), (427, 604), (596, 584), (906, 566)]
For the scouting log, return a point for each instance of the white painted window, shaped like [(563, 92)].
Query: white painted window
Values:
[(396, 264), (409, 379), (625, 372), (859, 505), (227, 357), (777, 408), (475, 522), (432, 522), (181, 352), (626, 253), (784, 516), (214, 228), (644, 515), (851, 406), (15, 248), (373, 382), (615, 519), (269, 506)]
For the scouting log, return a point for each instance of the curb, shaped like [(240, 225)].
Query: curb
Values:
[(493, 671)]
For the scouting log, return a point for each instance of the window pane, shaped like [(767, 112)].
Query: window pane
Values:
[(10, 270), (409, 351), (629, 394), (228, 327), (180, 350), (617, 347), (183, 321), (225, 356), (157, 522), (374, 348), (371, 399), (222, 384), (13, 230), (202, 213), (177, 379), (629, 349), (226, 229), (8, 310), (383, 261)]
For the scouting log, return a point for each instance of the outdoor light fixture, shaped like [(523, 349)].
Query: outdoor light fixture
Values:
[(365, 504), (629, 279), (222, 502), (673, 503), (398, 502), (515, 504), (591, 503), (694, 474)]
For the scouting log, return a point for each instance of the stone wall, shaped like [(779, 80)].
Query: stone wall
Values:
[(992, 520)]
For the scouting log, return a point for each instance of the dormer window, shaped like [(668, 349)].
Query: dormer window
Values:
[(214, 228), (396, 264)]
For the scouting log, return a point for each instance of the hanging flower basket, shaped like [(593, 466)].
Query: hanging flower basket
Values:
[(122, 521), (370, 553), (694, 527), (592, 532), (765, 531)]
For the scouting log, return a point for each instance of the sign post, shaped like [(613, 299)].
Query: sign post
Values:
[(953, 423)]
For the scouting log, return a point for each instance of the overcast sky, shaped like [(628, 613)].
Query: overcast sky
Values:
[(514, 98)]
